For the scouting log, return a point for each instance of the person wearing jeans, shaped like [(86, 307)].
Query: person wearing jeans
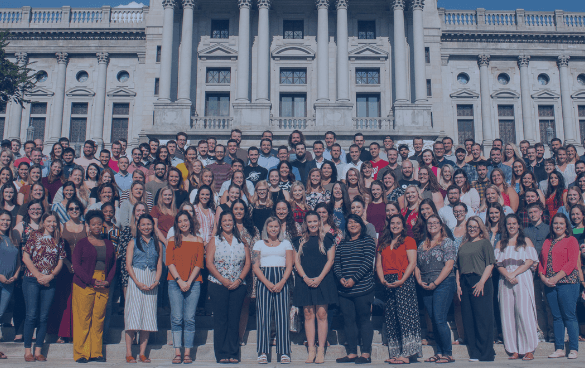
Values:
[(434, 272), (184, 259), (559, 273), (9, 263)]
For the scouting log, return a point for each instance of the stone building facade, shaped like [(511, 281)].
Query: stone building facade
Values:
[(401, 67)]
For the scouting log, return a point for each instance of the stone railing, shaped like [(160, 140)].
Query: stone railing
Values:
[(372, 123), (519, 19), (67, 17), (292, 123), (213, 122)]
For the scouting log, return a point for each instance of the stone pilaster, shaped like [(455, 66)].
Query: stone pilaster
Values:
[(56, 122), (243, 78), (399, 51), (483, 61), (166, 61), (342, 52), (529, 128), (322, 50), (263, 77), (420, 79), (184, 92), (97, 126), (568, 121)]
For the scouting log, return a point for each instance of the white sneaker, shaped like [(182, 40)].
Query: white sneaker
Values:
[(474, 360)]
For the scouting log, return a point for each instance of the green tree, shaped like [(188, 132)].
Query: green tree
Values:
[(15, 80)]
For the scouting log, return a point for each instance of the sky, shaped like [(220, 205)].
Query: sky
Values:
[(536, 5)]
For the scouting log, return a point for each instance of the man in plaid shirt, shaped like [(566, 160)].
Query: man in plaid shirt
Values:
[(531, 196), (482, 181), (461, 154)]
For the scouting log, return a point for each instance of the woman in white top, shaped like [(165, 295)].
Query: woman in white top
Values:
[(469, 195), (272, 263)]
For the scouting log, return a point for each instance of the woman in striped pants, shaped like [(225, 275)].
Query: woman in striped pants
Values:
[(272, 262)]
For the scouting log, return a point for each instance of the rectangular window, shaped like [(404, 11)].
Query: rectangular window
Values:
[(217, 104), (427, 55), (506, 123), (367, 29), (465, 125), (38, 108), (367, 76), (2, 108), (293, 29), (120, 120), (156, 86), (158, 53), (368, 105), (293, 105), (581, 114), (429, 88), (2, 118), (219, 76), (546, 120), (38, 119), (77, 130), (293, 76), (220, 28)]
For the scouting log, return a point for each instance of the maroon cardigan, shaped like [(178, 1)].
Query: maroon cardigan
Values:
[(84, 259)]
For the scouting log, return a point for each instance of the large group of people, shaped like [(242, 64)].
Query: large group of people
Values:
[(297, 232)]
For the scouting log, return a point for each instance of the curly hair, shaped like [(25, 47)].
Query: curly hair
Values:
[(291, 226)]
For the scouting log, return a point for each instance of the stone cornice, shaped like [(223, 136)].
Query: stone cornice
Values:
[(102, 57), (342, 4), (563, 60), (61, 57), (499, 38), (21, 58), (523, 60), (264, 4), (483, 60), (72, 34), (322, 4)]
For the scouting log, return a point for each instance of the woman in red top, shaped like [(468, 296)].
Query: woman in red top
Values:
[(410, 210), (298, 201), (508, 193), (164, 212), (395, 265), (556, 194)]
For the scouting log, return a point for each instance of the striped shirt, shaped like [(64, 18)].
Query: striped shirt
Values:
[(354, 259)]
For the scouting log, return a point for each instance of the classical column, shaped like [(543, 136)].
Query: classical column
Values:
[(486, 112), (166, 60), (59, 97), (16, 109), (243, 52), (184, 94), (420, 79), (528, 127), (399, 52), (323, 50), (342, 52), (263, 75), (97, 126), (568, 123)]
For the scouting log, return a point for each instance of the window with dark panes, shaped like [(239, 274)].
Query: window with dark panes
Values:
[(293, 76), (38, 108), (427, 55), (465, 124), (429, 88), (546, 119), (293, 105), (38, 119), (220, 28), (506, 123), (368, 105), (2, 118), (156, 86), (367, 29), (219, 76), (120, 121), (78, 124), (293, 29), (581, 114), (367, 76), (217, 104), (2, 108), (158, 53)]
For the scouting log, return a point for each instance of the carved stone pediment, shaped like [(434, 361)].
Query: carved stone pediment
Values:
[(546, 95), (506, 94), (121, 92), (217, 51), (40, 92), (579, 95), (464, 93), (368, 52), (80, 92), (292, 51)]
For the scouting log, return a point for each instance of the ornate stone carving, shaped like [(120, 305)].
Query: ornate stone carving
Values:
[(244, 4), (21, 58), (264, 4), (61, 57), (189, 4), (418, 4), (563, 60), (342, 4), (483, 60), (398, 4), (523, 60), (322, 4), (102, 57), (168, 4)]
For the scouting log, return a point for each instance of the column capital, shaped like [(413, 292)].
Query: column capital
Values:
[(483, 60), (189, 4), (245, 4), (62, 57), (168, 4), (342, 4), (102, 57), (264, 4), (322, 4), (21, 58), (398, 4), (563, 61), (523, 60), (418, 4)]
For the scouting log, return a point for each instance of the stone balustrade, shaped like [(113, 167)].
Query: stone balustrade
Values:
[(372, 123), (213, 123), (291, 123), (67, 17)]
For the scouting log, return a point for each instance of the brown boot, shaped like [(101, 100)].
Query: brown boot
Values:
[(320, 359), (312, 353)]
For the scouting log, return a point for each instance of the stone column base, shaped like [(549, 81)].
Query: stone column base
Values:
[(334, 115), (171, 117), (252, 115), (409, 116)]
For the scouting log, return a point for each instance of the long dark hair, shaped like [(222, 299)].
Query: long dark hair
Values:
[(291, 177), (291, 226), (333, 170), (87, 171), (359, 220), (330, 217), (9, 232), (193, 227), (501, 222), (419, 229), (520, 240), (558, 190), (247, 220), (433, 183), (388, 236), (14, 198), (235, 230), (429, 238), (466, 187), (346, 207), (138, 239), (211, 203), (26, 217), (568, 229)]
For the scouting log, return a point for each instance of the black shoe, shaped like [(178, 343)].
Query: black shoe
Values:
[(99, 359), (346, 359), (362, 360), (81, 360)]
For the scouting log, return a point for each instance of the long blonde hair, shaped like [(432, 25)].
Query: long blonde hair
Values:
[(292, 188), (133, 217), (170, 210), (442, 181), (484, 204), (255, 199), (305, 237), (360, 184), (131, 197), (309, 188), (82, 191)]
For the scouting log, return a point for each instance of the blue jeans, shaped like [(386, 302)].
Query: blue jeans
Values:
[(5, 294), (437, 302), (562, 300), (183, 308), (38, 300)]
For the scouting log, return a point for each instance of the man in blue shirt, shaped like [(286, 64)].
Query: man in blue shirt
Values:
[(496, 162), (266, 160), (330, 139), (123, 178)]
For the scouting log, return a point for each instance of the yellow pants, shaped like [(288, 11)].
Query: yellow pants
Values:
[(89, 312)]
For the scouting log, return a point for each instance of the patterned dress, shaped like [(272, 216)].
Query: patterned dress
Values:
[(125, 237)]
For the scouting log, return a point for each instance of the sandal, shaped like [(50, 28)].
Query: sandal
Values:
[(284, 359), (61, 340), (234, 360), (262, 359), (130, 359), (397, 361), (224, 361), (581, 338), (528, 356), (433, 359), (187, 359), (177, 360), (3, 356), (445, 360), (144, 359)]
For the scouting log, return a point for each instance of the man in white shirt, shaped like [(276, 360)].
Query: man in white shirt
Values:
[(172, 147), (88, 156), (446, 213), (318, 151), (448, 144), (565, 168), (354, 154), (330, 140), (202, 153)]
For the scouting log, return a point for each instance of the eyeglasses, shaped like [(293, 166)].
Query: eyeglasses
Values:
[(74, 208), (35, 209), (433, 223), (458, 213), (472, 227)]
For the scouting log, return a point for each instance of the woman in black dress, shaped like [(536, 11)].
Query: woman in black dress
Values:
[(315, 287)]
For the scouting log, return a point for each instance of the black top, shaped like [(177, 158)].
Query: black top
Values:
[(181, 196), (255, 173), (259, 216), (354, 259), (365, 155)]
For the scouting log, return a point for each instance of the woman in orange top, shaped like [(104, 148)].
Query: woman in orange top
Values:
[(395, 265), (185, 261)]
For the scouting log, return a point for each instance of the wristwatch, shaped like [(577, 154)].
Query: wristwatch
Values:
[(177, 278)]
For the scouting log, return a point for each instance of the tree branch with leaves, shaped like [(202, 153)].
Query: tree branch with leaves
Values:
[(16, 79)]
